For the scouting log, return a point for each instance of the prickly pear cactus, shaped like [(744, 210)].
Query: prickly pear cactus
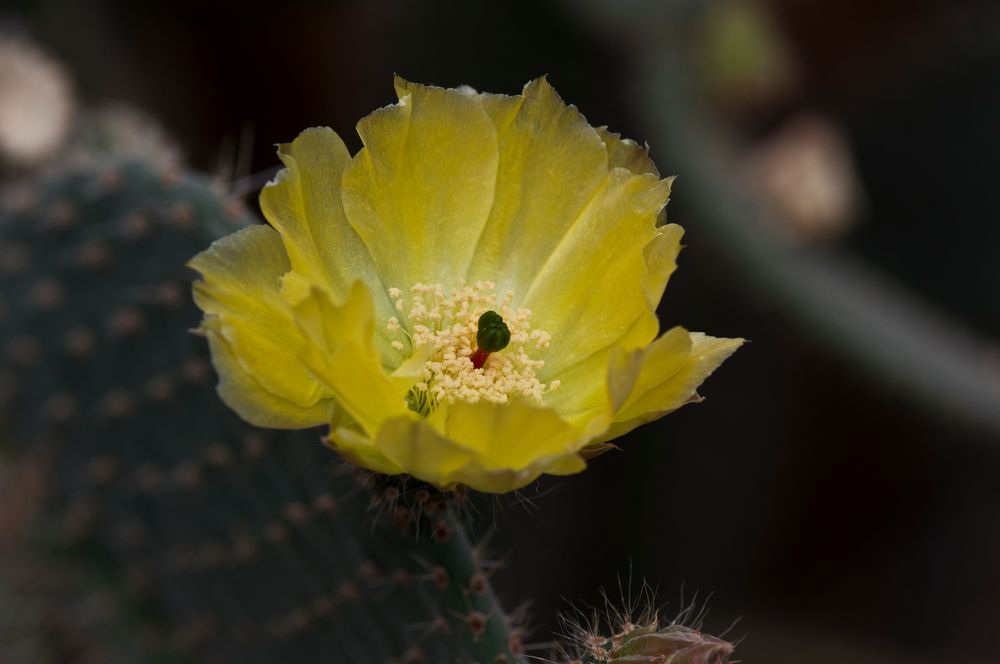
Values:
[(224, 543)]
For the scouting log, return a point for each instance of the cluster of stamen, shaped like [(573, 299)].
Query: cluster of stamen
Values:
[(444, 324)]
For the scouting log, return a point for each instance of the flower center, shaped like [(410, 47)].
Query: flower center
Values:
[(477, 345)]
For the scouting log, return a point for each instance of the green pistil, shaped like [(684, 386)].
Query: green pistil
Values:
[(492, 334)]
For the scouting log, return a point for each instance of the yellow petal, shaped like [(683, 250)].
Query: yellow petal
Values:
[(512, 436), (239, 293), (488, 447), (626, 153), (251, 401), (551, 164), (587, 321), (573, 212), (419, 192), (425, 453), (589, 292), (673, 368), (660, 256), (341, 354), (237, 269), (304, 204), (599, 385), (359, 449)]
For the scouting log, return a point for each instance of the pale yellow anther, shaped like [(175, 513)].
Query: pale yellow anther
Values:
[(444, 324)]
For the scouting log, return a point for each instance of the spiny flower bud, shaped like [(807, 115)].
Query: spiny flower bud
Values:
[(674, 644)]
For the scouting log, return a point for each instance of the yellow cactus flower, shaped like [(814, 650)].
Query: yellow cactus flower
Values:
[(470, 299)]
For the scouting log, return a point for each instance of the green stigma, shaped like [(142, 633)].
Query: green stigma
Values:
[(492, 334)]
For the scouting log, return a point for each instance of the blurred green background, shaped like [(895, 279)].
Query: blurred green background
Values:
[(837, 492)]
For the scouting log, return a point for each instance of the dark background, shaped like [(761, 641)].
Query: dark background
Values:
[(840, 516)]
